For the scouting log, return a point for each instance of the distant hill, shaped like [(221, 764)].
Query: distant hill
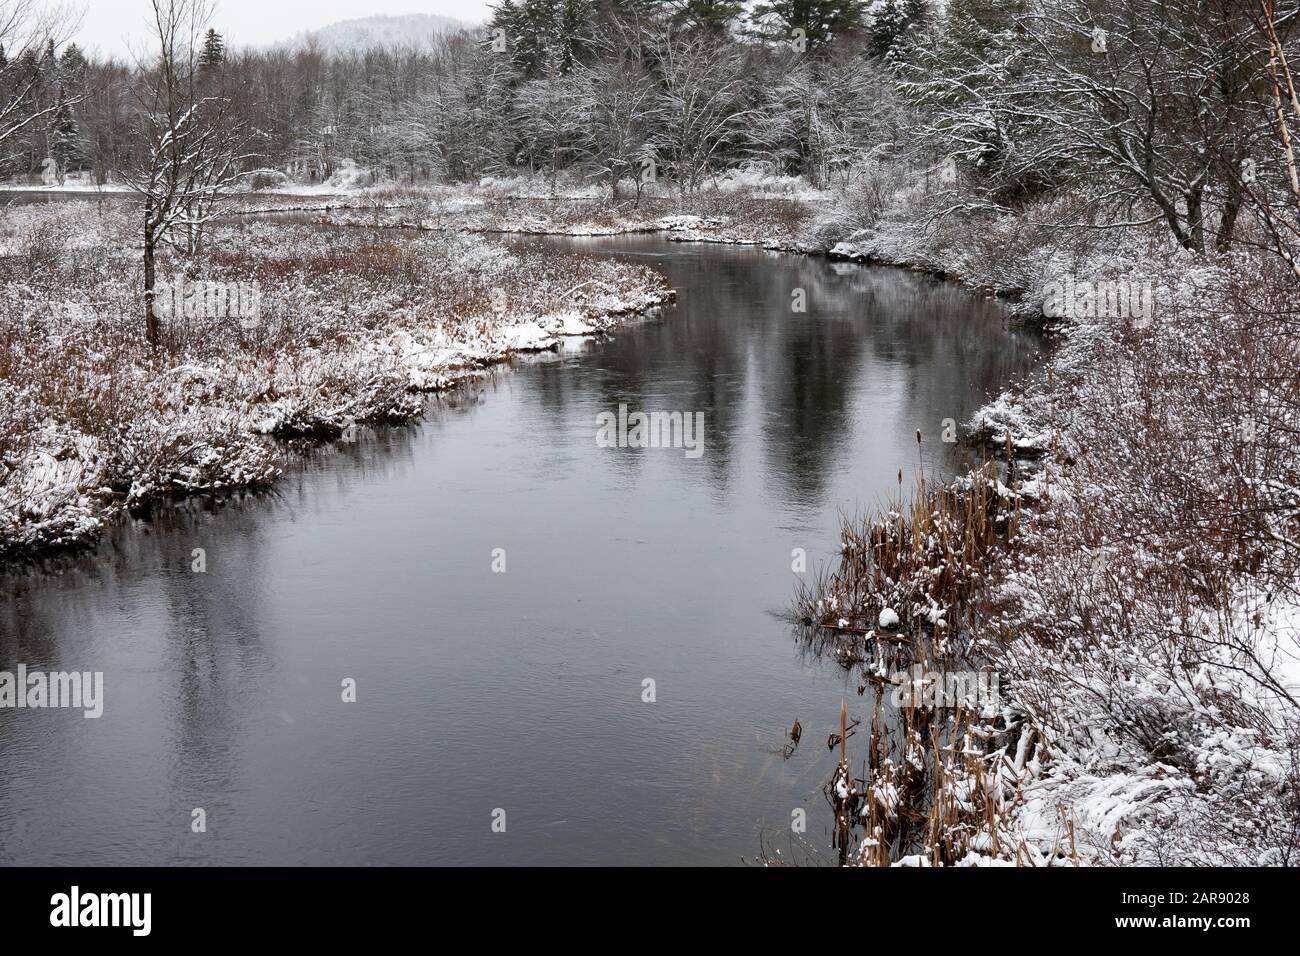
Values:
[(368, 33)]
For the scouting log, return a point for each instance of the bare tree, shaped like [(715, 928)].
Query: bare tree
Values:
[(1151, 94), (1145, 103), (701, 105), (551, 117), (620, 92), (191, 151)]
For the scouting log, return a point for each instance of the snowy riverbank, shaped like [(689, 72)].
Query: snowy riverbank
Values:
[(349, 328), (773, 214), (1133, 581)]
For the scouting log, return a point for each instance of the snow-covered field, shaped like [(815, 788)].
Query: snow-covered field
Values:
[(351, 328), (773, 212)]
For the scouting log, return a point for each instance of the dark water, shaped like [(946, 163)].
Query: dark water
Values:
[(523, 690), (30, 197)]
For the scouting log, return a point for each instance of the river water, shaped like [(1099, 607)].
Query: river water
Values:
[(523, 691)]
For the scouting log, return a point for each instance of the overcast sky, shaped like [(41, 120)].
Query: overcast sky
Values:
[(109, 25)]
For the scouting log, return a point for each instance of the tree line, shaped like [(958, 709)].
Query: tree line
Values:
[(1166, 111)]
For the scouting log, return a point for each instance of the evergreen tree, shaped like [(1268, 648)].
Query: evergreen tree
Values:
[(958, 79), (65, 139), (977, 27), (72, 67), (542, 33), (716, 15), (214, 50), (820, 20), (891, 21)]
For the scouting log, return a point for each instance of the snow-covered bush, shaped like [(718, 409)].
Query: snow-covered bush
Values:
[(1141, 598), (351, 326)]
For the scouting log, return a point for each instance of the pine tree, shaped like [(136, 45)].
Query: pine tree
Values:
[(214, 51), (715, 15), (65, 139), (977, 27), (542, 33), (820, 21), (891, 21), (72, 67)]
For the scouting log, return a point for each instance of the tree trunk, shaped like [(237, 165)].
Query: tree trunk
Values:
[(1228, 221), (1196, 218), (150, 281)]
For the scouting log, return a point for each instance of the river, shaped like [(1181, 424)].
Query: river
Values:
[(523, 691)]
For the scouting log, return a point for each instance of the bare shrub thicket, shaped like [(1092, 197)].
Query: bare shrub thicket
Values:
[(350, 328)]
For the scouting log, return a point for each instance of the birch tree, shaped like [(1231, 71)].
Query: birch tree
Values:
[(1273, 186)]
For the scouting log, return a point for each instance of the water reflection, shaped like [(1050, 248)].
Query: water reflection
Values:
[(521, 690)]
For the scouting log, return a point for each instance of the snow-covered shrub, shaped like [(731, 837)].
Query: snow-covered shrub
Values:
[(1143, 614), (351, 327), (348, 176), (259, 179)]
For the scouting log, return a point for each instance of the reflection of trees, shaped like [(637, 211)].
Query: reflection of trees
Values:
[(693, 359), (940, 352), (182, 653), (734, 349), (213, 645), (809, 364)]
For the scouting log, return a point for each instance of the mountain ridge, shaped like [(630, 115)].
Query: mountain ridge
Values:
[(377, 31)]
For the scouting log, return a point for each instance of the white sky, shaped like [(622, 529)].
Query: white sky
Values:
[(110, 26)]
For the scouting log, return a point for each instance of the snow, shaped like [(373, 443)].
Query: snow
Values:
[(1151, 722), (352, 329), (527, 337)]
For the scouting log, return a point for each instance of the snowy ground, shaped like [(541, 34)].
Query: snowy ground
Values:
[(771, 212), (351, 328)]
